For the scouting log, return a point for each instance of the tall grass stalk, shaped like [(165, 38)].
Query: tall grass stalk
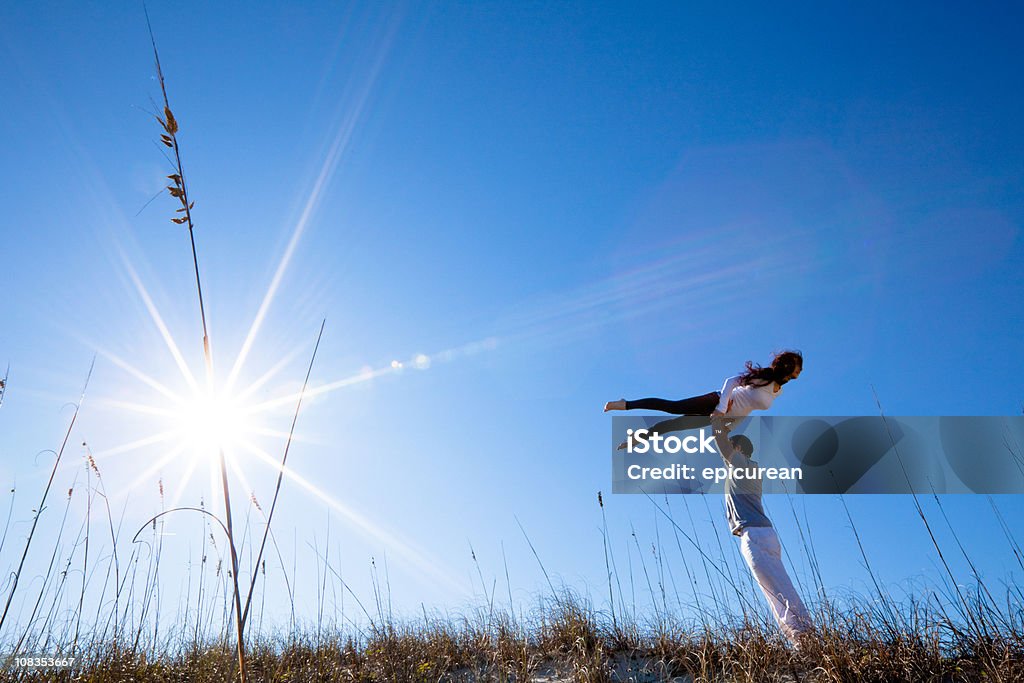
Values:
[(554, 593), (280, 473), (1017, 552), (607, 565), (179, 190), (969, 614), (46, 493), (686, 567), (49, 573)]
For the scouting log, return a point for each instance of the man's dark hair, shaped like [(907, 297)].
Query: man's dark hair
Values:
[(745, 445)]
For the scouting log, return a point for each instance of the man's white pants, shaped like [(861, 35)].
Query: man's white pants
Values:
[(761, 549)]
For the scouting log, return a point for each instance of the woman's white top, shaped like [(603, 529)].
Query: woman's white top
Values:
[(745, 397)]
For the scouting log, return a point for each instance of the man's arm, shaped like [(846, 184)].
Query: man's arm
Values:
[(722, 426)]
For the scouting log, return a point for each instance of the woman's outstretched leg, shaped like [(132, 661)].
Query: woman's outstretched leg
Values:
[(696, 405)]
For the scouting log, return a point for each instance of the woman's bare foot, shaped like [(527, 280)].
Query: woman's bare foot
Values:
[(615, 405)]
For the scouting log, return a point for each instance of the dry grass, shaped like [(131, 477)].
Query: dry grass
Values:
[(571, 641)]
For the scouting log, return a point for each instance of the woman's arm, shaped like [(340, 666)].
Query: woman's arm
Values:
[(727, 388)]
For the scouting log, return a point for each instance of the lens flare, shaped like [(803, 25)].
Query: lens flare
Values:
[(212, 422)]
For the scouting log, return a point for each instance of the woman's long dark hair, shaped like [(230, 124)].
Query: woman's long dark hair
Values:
[(782, 366)]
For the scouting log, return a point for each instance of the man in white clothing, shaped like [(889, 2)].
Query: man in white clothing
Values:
[(759, 544)]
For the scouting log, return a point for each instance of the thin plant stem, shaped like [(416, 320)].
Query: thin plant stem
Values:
[(46, 492), (280, 472), (179, 190)]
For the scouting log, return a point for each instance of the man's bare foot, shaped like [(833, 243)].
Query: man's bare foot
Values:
[(615, 405)]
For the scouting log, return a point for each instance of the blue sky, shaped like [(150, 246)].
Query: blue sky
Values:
[(575, 202)]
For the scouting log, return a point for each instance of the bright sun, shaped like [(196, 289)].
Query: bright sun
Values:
[(210, 422)]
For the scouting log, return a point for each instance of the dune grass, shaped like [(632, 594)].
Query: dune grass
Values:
[(570, 640)]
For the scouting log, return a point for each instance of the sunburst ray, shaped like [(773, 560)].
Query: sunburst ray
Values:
[(374, 531)]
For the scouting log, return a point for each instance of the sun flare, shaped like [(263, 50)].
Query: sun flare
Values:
[(210, 422)]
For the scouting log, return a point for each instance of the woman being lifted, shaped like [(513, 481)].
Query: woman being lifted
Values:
[(755, 389)]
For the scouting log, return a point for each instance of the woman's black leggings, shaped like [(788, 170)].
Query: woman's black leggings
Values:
[(695, 411), (697, 405)]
